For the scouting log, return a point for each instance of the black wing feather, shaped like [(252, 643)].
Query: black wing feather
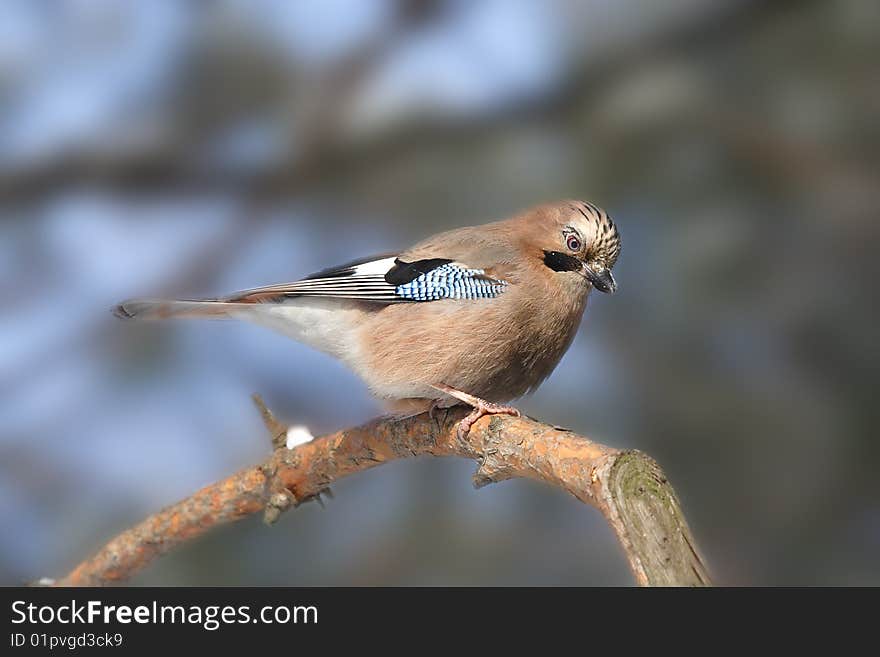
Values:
[(406, 272)]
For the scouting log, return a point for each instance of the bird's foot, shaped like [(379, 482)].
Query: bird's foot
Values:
[(481, 409)]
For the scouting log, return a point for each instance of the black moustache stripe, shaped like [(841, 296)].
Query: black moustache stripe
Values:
[(561, 261)]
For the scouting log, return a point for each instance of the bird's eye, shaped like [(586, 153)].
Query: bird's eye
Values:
[(573, 242)]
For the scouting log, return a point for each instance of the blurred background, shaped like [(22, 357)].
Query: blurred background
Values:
[(184, 148)]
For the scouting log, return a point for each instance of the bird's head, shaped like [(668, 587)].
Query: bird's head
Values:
[(577, 239)]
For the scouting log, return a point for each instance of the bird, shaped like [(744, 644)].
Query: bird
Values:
[(476, 316)]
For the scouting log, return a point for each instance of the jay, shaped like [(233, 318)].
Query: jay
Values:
[(478, 315)]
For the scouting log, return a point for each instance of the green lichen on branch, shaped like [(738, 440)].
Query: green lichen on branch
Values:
[(652, 523)]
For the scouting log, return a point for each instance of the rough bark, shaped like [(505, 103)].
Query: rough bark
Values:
[(627, 487)]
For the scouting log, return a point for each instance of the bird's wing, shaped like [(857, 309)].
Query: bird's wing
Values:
[(385, 279)]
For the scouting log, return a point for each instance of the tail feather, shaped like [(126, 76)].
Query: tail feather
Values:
[(325, 324), (166, 309)]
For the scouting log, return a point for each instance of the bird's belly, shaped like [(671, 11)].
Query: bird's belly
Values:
[(479, 349)]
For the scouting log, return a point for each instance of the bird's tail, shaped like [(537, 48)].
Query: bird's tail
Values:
[(177, 309), (320, 323)]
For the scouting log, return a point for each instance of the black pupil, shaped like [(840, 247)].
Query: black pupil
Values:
[(574, 243)]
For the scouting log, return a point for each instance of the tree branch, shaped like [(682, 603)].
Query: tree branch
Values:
[(627, 487)]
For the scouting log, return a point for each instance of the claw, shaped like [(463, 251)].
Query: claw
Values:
[(481, 409)]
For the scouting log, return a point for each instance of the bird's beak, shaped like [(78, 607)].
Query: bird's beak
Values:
[(601, 279)]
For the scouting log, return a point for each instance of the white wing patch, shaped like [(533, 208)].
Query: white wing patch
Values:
[(374, 268)]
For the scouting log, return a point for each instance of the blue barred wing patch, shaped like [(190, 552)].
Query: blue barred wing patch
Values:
[(451, 281)]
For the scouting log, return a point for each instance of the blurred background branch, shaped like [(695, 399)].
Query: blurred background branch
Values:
[(317, 109)]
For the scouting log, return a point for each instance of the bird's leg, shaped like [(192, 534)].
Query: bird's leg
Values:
[(481, 408)]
